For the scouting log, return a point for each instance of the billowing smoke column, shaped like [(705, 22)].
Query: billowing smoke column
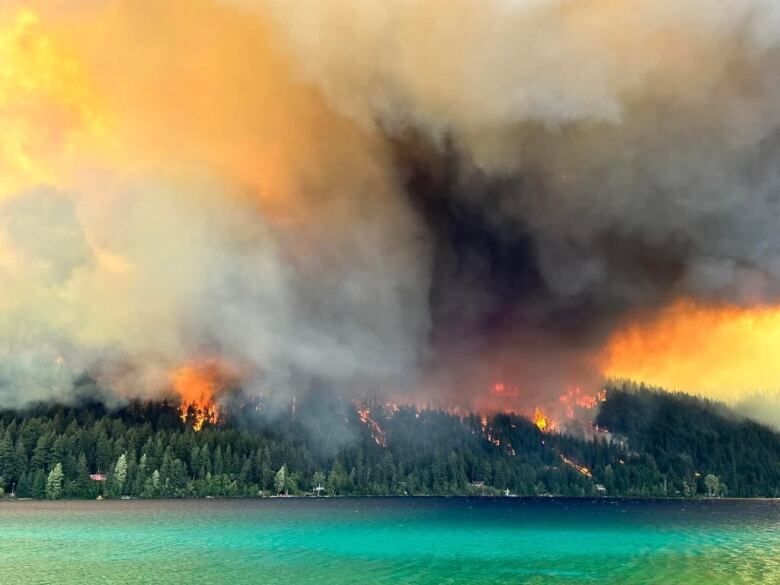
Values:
[(423, 197), (173, 195)]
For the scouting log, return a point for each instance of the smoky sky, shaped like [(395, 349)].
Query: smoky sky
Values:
[(416, 198)]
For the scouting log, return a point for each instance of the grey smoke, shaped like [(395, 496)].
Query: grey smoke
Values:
[(626, 151)]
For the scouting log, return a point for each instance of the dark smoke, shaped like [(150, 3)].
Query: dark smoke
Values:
[(418, 198)]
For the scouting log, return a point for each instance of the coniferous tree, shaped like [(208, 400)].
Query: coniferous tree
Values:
[(660, 444), (318, 482), (7, 459), (280, 480), (54, 483), (38, 487), (82, 487), (120, 475)]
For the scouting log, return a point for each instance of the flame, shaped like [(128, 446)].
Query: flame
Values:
[(487, 432), (576, 397), (197, 384), (718, 351), (581, 468), (542, 421), (377, 433)]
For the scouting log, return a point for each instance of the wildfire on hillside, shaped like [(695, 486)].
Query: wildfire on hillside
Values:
[(197, 385), (542, 421), (487, 432), (580, 468), (377, 433), (143, 230), (575, 404), (575, 397)]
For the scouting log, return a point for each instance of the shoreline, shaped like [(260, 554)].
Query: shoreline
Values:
[(607, 499)]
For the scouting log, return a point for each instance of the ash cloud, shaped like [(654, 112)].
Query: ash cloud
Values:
[(379, 197), (633, 144), (609, 158)]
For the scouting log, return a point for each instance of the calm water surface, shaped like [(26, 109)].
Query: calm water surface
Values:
[(389, 540)]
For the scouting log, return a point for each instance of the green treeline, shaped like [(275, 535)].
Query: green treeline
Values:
[(658, 445), (689, 437)]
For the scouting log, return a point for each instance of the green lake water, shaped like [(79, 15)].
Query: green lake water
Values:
[(390, 540)]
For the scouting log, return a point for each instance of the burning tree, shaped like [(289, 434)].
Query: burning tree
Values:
[(542, 421), (197, 385)]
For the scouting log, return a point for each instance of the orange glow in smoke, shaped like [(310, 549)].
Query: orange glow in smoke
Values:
[(577, 398), (720, 352), (48, 112), (500, 389)]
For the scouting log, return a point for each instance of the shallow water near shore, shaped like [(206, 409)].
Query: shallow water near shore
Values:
[(390, 540)]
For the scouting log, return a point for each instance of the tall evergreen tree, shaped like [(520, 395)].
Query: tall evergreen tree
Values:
[(120, 475), (280, 480), (54, 483)]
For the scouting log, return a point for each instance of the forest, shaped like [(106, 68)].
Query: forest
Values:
[(642, 443)]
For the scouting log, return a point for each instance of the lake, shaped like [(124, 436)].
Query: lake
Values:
[(390, 540)]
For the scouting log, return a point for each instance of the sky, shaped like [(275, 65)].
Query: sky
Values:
[(422, 199)]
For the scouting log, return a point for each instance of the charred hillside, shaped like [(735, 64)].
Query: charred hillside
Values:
[(644, 443)]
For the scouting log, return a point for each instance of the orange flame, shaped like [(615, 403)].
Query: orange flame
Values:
[(364, 413), (542, 421), (580, 468), (576, 397), (197, 384)]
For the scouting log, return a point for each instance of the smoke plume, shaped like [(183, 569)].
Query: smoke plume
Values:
[(405, 197)]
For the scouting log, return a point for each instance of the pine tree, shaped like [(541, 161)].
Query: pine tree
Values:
[(20, 459), (7, 459), (38, 487), (337, 479), (41, 452), (219, 466), (83, 485), (54, 483), (177, 480), (120, 475), (280, 480), (140, 476), (712, 483), (23, 488), (317, 481), (155, 482)]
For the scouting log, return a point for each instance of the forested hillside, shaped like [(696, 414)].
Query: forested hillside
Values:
[(647, 443), (687, 436)]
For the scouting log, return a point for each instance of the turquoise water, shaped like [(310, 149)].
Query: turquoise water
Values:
[(390, 540)]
